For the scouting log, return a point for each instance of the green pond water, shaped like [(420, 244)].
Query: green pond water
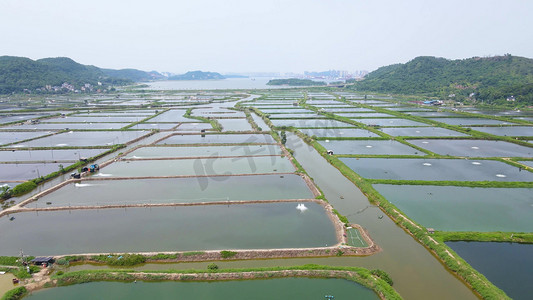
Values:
[(178, 190), (235, 124), (436, 169), (211, 227), (198, 167), (199, 151), (506, 265), (86, 138), (370, 147), (338, 132), (469, 209), (390, 122), (470, 121), (48, 155), (474, 148), (310, 123), (282, 288), (421, 131), (507, 131), (219, 139)]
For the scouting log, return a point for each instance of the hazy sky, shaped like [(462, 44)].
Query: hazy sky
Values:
[(250, 35)]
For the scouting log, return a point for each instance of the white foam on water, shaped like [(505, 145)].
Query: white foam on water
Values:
[(61, 145), (82, 184), (476, 163), (301, 207), (417, 131), (427, 164), (368, 146), (501, 175), (327, 141), (103, 175), (474, 147), (425, 142)]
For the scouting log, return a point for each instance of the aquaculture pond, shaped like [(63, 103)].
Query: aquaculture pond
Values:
[(390, 122), (436, 169), (370, 147), (86, 138), (25, 171), (177, 190), (434, 114), (175, 115), (150, 126), (218, 139), (48, 155), (287, 110), (350, 109), (470, 209), (364, 115), (296, 115), (527, 162), (507, 265), (507, 130), (7, 137), (206, 227), (309, 123), (235, 124), (421, 131), (279, 288), (259, 121), (203, 151), (70, 119), (64, 126), (198, 167), (474, 148), (338, 132), (194, 126), (469, 121)]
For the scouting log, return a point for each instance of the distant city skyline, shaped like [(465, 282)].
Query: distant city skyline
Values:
[(237, 36)]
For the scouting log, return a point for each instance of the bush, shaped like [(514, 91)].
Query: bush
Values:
[(212, 266), (121, 260), (227, 254), (23, 188), (15, 294), (383, 275)]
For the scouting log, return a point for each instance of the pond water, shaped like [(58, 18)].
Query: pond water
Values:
[(178, 190), (349, 109), (14, 137), (85, 138), (203, 151), (287, 110), (48, 155), (219, 139), (198, 167), (363, 115), (421, 131), (18, 171), (474, 148), (309, 123), (194, 126), (309, 115), (507, 265), (119, 113), (207, 227), (235, 124), (62, 126), (469, 121), (84, 119), (410, 108), (527, 162), (260, 122), (390, 122), (434, 114), (470, 209), (150, 126), (174, 115), (436, 169), (507, 131), (280, 288), (370, 147), (338, 132)]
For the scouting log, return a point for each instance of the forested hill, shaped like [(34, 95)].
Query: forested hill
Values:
[(18, 74), (198, 75), (492, 79)]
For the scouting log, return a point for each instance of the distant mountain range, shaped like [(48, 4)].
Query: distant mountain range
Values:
[(19, 74), (491, 79), (197, 75)]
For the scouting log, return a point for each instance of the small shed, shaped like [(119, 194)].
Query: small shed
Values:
[(330, 152), (43, 260), (431, 230)]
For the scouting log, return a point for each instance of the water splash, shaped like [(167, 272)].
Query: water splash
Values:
[(301, 207), (82, 184)]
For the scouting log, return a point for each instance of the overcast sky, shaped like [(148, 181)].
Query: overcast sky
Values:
[(241, 36)]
